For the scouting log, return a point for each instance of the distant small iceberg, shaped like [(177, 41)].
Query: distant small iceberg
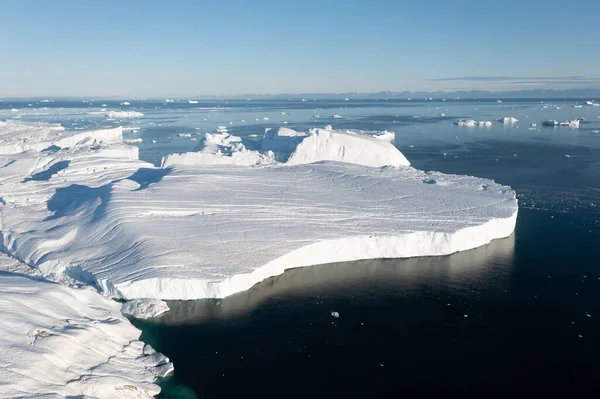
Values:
[(508, 120), (472, 123), (193, 101), (574, 124)]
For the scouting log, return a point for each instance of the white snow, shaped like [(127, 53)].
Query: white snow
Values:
[(133, 141), (206, 228), (465, 122), (144, 308), (17, 136), (508, 120), (59, 341), (220, 149), (348, 147), (124, 114)]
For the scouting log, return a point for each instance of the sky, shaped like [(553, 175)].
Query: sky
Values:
[(148, 48)]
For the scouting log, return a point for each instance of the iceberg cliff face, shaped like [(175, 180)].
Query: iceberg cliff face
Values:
[(202, 229)]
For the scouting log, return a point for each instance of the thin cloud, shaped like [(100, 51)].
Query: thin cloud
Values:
[(522, 79)]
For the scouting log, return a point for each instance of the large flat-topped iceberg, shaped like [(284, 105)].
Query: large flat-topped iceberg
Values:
[(60, 342), (200, 230)]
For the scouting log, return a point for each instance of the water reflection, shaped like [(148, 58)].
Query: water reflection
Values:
[(495, 258)]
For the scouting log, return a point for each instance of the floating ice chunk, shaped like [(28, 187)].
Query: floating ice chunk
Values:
[(442, 114), (335, 314), (184, 135), (550, 123), (125, 103), (143, 308), (282, 140), (484, 123), (133, 141), (124, 114), (266, 118), (465, 122), (336, 116), (508, 120), (168, 100), (65, 342), (193, 101)]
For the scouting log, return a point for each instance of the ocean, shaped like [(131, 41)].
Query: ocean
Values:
[(517, 317)]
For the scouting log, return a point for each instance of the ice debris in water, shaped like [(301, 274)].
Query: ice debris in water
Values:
[(335, 314)]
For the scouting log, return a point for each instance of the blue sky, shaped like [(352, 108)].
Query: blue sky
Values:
[(182, 48)]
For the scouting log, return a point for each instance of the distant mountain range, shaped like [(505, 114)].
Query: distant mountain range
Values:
[(419, 95), (516, 94)]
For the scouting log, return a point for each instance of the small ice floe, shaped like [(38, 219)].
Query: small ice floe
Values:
[(192, 101), (335, 314), (184, 135), (567, 156), (466, 315), (336, 116), (465, 122), (442, 114), (132, 141), (508, 120), (144, 308), (266, 118), (153, 141), (125, 103)]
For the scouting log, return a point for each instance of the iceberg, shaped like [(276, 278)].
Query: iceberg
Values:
[(465, 122), (207, 226), (60, 341), (508, 120), (220, 149), (144, 308)]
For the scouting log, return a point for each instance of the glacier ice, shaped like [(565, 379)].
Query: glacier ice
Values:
[(144, 308), (207, 224), (60, 341)]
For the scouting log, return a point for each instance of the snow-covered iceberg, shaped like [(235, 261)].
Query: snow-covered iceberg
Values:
[(204, 229), (509, 120), (63, 342)]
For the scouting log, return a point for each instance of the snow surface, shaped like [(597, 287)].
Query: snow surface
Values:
[(205, 225), (17, 136), (99, 215), (62, 342), (144, 308)]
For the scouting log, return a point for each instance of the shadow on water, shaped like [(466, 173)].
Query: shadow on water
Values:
[(345, 276)]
